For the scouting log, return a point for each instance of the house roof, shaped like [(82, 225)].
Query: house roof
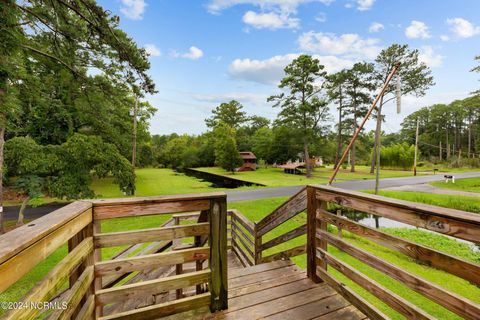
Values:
[(247, 155)]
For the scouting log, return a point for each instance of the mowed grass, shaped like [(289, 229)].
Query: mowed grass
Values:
[(274, 177), (471, 204), (154, 182), (468, 184), (256, 210)]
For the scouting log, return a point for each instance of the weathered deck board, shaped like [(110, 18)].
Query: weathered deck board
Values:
[(277, 290)]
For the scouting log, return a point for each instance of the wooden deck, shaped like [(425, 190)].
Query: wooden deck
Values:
[(277, 290)]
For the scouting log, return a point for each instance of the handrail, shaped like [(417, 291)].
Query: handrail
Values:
[(455, 223), (79, 225)]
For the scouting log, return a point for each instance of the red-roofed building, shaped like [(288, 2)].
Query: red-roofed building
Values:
[(249, 161)]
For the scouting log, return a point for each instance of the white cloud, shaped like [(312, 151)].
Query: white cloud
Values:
[(444, 38), (375, 27), (430, 58), (256, 99), (364, 5), (193, 53), (270, 71), (152, 50), (133, 9), (463, 28), (417, 30), (285, 6), (270, 20), (321, 17), (349, 44)]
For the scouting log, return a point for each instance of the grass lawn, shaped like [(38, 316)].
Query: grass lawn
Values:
[(469, 184), (471, 204), (274, 177), (154, 182)]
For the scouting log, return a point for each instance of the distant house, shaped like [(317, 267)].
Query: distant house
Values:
[(249, 161), (293, 167)]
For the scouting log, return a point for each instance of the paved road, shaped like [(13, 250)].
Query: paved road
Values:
[(11, 213), (350, 185)]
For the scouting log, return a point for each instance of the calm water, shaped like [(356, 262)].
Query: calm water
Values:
[(218, 181)]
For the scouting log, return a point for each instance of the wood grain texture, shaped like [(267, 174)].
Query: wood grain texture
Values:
[(293, 206), (218, 263), (350, 295), (23, 261), (285, 254), (53, 281), (409, 310), (297, 232), (12, 242), (75, 295), (148, 208), (433, 258), (241, 219), (452, 301), (113, 239), (151, 287), (162, 309), (455, 223), (86, 312), (145, 262)]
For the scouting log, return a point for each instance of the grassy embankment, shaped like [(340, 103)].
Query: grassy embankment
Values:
[(469, 184), (274, 177)]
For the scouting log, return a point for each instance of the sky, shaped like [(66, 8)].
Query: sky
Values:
[(203, 53)]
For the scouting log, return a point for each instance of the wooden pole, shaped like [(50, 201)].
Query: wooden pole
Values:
[(360, 127), (416, 150)]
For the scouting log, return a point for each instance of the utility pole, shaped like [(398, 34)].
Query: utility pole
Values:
[(416, 151), (134, 150), (360, 127)]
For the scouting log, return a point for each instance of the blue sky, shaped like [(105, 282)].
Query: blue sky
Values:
[(207, 52)]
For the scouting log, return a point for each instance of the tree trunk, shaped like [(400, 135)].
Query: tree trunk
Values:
[(469, 135), (339, 140), (447, 145), (21, 213), (2, 144), (339, 137), (307, 159)]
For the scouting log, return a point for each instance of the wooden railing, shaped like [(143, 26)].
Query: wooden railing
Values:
[(458, 224), (141, 268)]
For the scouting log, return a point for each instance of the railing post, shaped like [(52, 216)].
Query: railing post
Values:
[(218, 254), (258, 244), (312, 205)]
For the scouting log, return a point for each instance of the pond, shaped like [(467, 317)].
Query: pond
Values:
[(380, 222), (218, 181)]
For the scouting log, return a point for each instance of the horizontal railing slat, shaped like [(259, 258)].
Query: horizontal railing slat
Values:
[(455, 223), (367, 308), (149, 208), (295, 205), (151, 287), (246, 246), (238, 217), (145, 262), (297, 232), (456, 266), (148, 235), (285, 254), (22, 262), (409, 310), (449, 300), (12, 242), (163, 309)]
